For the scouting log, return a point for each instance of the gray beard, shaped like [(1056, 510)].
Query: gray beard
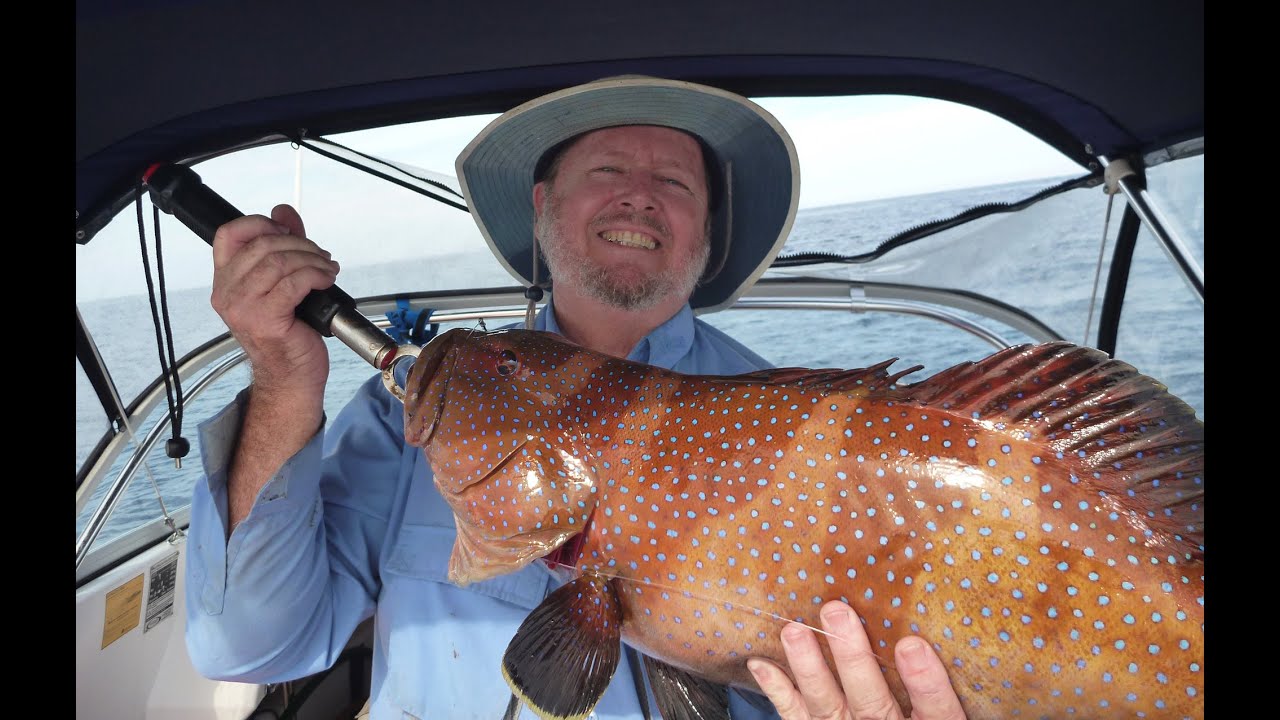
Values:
[(602, 283)]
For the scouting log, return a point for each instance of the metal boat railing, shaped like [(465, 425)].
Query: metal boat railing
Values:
[(1148, 210), (216, 358)]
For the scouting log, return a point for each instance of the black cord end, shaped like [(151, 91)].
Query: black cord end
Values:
[(533, 292), (177, 447)]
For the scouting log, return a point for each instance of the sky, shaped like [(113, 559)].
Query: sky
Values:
[(850, 150)]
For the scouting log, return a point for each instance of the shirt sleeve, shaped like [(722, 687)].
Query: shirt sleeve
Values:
[(280, 598)]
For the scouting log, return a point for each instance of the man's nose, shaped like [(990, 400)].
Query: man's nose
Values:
[(638, 193)]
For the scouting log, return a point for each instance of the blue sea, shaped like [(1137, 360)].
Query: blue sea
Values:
[(1165, 319)]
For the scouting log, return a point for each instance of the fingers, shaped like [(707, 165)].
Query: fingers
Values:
[(925, 677), (232, 237), (257, 260), (288, 217), (861, 691), (862, 680), (822, 694), (775, 684), (263, 268), (278, 270)]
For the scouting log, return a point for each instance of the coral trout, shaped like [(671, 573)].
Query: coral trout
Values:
[(1037, 516)]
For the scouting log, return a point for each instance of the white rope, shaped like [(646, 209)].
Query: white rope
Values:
[(532, 308), (1097, 271)]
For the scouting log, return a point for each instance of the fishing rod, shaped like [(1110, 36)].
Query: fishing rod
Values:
[(179, 191)]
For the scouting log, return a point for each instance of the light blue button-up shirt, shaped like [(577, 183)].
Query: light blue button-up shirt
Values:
[(352, 526)]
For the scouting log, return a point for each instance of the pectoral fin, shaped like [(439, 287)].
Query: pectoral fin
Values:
[(565, 653), (680, 695)]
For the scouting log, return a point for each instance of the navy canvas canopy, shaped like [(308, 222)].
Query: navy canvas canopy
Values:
[(168, 81)]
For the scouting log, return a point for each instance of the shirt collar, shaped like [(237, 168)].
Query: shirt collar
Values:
[(666, 345)]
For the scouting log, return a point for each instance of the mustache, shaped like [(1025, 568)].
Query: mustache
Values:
[(633, 218)]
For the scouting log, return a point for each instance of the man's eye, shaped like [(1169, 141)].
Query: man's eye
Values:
[(607, 169), (676, 183)]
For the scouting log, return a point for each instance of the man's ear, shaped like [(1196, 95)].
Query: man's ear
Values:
[(539, 196)]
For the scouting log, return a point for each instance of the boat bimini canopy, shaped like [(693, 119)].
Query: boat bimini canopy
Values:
[(160, 81)]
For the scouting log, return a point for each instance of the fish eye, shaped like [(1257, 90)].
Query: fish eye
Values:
[(508, 364)]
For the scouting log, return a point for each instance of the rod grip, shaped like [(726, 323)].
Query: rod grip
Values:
[(179, 191)]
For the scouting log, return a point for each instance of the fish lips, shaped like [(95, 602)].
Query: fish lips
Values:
[(426, 388)]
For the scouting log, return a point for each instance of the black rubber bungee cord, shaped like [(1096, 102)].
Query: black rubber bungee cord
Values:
[(176, 447)]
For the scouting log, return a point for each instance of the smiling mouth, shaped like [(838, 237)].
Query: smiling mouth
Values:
[(627, 238)]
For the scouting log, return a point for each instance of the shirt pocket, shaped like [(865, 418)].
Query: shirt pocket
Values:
[(424, 541), (422, 552)]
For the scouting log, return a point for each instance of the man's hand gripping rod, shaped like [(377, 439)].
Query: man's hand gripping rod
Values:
[(178, 190)]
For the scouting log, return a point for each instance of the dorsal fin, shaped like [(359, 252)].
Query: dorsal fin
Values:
[(830, 379), (1129, 436)]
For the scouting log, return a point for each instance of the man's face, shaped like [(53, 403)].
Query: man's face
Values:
[(624, 219)]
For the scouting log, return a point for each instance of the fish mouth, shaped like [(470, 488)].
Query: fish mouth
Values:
[(425, 380)]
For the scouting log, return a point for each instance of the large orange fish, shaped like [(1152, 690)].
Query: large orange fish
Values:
[(1038, 516)]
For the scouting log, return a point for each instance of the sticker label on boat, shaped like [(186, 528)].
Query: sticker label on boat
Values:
[(160, 591), (124, 607)]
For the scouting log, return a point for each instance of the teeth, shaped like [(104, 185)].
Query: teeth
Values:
[(628, 238)]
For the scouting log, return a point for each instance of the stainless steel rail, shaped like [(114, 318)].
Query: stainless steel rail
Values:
[(768, 294), (1119, 172), (99, 517)]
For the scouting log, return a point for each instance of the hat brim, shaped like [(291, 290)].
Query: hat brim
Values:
[(756, 155)]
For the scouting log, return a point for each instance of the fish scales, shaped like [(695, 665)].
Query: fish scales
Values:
[(1037, 516)]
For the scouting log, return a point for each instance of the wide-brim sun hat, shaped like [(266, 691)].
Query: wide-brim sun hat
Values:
[(753, 153)]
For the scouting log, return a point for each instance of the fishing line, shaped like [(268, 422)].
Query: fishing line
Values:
[(689, 594)]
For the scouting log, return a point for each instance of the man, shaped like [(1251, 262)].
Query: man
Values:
[(650, 199)]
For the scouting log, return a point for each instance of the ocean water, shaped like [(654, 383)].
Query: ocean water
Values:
[(1162, 330)]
